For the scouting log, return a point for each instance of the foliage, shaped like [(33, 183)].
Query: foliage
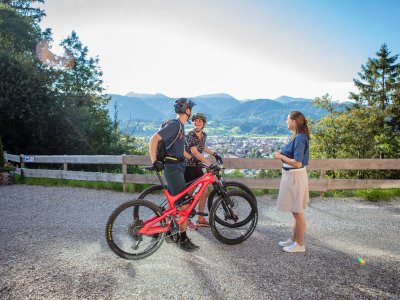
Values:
[(8, 167), (379, 87), (2, 159), (378, 81), (268, 174), (51, 104), (368, 129), (25, 8), (236, 174), (326, 131), (4, 167)]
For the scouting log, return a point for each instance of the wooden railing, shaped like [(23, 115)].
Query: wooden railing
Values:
[(321, 184)]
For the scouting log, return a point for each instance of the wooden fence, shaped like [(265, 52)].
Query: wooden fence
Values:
[(321, 184)]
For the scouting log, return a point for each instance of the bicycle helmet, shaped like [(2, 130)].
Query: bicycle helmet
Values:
[(182, 104), (200, 116)]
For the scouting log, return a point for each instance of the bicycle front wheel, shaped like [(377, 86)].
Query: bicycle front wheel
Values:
[(229, 186), (233, 219), (122, 230)]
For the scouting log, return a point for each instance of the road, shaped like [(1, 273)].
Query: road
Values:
[(52, 246)]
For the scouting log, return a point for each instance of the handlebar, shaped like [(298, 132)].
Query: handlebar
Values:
[(211, 167)]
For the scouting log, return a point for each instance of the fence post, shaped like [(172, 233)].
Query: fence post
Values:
[(322, 176), (5, 158), (65, 167), (21, 161), (124, 172)]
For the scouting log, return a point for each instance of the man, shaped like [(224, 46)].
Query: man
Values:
[(173, 135), (195, 146)]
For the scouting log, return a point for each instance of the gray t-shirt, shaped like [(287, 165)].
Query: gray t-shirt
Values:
[(168, 133)]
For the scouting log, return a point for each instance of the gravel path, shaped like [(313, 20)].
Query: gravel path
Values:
[(52, 246)]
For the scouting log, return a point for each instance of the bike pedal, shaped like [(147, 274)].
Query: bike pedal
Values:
[(192, 213)]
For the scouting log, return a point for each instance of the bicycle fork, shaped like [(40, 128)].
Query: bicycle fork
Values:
[(227, 203)]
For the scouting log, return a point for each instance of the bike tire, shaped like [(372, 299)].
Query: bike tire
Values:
[(121, 225), (233, 235), (153, 190), (233, 185)]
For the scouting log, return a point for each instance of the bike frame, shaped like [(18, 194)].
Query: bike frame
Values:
[(149, 228)]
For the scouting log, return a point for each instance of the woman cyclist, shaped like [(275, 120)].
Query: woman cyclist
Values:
[(195, 146)]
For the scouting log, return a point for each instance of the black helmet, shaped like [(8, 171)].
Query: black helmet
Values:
[(200, 116), (182, 104)]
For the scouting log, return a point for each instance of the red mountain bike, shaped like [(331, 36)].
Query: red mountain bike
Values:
[(137, 228)]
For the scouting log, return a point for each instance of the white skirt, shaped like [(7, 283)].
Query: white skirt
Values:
[(293, 191)]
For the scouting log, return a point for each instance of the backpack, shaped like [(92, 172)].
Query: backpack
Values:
[(161, 146)]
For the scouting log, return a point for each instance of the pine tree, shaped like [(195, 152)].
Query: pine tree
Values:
[(378, 80)]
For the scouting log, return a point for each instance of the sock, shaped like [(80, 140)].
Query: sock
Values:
[(183, 236)]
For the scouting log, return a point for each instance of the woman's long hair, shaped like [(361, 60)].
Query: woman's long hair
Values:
[(301, 123)]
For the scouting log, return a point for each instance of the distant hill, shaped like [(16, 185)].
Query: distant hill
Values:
[(252, 109), (287, 99), (258, 116), (132, 108), (215, 104)]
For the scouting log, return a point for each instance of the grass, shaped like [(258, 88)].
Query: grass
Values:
[(98, 185), (373, 195)]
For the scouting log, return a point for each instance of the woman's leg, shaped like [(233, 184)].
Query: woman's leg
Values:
[(300, 228)]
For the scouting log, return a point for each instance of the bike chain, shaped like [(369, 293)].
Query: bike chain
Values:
[(173, 232)]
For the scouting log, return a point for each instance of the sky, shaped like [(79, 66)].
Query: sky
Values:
[(249, 49)]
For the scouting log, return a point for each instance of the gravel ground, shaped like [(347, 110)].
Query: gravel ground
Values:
[(52, 246)]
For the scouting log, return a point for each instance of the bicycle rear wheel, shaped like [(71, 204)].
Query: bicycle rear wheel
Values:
[(154, 194), (233, 219), (122, 230)]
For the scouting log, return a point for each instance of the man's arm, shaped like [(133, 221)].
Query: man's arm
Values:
[(153, 146)]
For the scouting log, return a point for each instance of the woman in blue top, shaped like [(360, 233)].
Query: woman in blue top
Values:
[(293, 191)]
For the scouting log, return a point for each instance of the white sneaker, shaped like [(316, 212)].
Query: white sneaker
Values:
[(294, 248), (285, 243)]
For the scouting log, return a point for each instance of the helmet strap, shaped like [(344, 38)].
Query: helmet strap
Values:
[(188, 120)]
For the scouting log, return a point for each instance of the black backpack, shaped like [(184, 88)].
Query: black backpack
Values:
[(161, 147)]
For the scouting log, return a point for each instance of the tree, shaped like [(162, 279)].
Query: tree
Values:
[(80, 87), (25, 8), (326, 136), (25, 98), (370, 127), (379, 87), (50, 108), (378, 80)]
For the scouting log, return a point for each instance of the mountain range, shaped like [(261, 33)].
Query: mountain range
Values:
[(254, 116)]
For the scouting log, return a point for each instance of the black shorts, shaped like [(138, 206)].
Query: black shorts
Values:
[(192, 173)]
